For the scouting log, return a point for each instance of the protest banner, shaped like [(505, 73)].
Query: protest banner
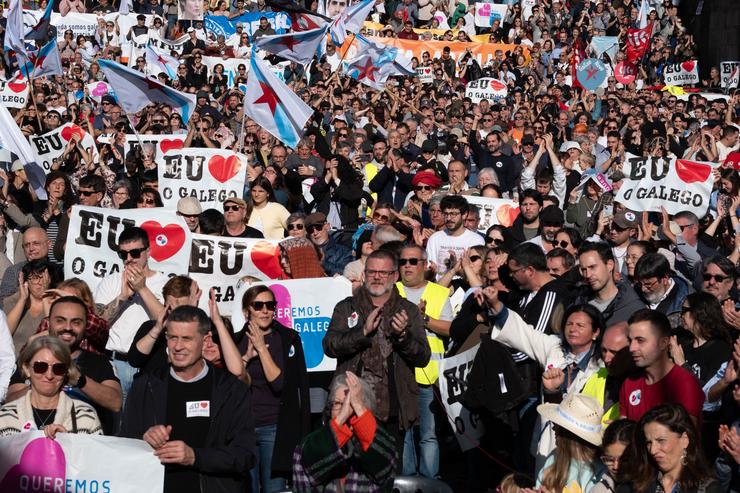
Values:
[(306, 306), (158, 144), (482, 52), (14, 92), (92, 241), (487, 88), (486, 13), (681, 74), (98, 89), (732, 161), (229, 64), (676, 184), (220, 25), (453, 373), (425, 74), (494, 211), (168, 46), (625, 72), (51, 145), (730, 74), (220, 263), (77, 463), (209, 175), (591, 73)]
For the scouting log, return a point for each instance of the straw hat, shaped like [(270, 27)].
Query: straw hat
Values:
[(580, 414)]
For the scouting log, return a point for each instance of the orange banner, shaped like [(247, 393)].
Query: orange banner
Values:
[(483, 52)]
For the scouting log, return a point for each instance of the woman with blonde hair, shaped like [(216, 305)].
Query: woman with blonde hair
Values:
[(47, 363)]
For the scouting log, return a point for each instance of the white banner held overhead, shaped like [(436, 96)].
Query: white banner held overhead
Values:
[(209, 175), (305, 305), (425, 74), (220, 263), (453, 374), (494, 211), (157, 144), (51, 145), (681, 74), (72, 462), (486, 13), (14, 93), (92, 241), (676, 184), (730, 74), (486, 88)]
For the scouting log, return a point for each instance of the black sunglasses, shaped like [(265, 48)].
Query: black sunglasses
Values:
[(314, 227), (41, 367), (259, 305), (716, 277), (134, 252), (475, 258), (228, 208), (410, 261), (297, 226), (382, 217), (87, 193), (497, 241), (425, 188)]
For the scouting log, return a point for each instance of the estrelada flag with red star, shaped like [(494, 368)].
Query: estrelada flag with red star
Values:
[(273, 105), (160, 61), (376, 62), (134, 90), (298, 46)]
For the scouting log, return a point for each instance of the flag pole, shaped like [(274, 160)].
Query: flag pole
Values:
[(240, 144), (138, 137), (33, 101), (335, 74)]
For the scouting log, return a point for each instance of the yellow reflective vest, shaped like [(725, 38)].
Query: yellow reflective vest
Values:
[(596, 387), (435, 297)]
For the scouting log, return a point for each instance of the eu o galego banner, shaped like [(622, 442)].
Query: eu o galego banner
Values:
[(494, 211), (305, 305), (51, 145), (209, 175), (220, 263), (676, 184), (92, 241), (76, 463)]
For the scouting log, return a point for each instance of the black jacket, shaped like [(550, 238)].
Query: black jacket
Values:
[(294, 418), (348, 194), (386, 182), (514, 234), (224, 463)]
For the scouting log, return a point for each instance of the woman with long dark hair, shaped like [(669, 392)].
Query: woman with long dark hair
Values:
[(266, 215), (666, 455), (276, 366), (339, 193)]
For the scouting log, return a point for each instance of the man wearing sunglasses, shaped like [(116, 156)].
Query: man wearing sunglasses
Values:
[(235, 220), (433, 301), (98, 384), (128, 299), (91, 192), (336, 255), (718, 277)]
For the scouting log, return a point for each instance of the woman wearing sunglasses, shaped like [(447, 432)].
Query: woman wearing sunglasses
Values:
[(275, 363), (47, 363)]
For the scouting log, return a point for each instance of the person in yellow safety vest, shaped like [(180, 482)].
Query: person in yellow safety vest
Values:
[(434, 302)]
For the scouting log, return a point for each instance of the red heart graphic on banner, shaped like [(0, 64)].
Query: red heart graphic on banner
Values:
[(224, 169), (691, 172), (164, 241), (265, 257), (167, 144), (689, 65), (204, 405), (17, 86), (68, 132), (733, 160), (506, 214)]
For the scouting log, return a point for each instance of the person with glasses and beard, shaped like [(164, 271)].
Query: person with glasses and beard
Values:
[(129, 298), (96, 382), (381, 334)]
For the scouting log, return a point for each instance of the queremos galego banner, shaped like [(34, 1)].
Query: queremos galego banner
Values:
[(681, 74), (92, 241), (676, 184), (220, 263), (306, 306), (75, 463), (209, 175)]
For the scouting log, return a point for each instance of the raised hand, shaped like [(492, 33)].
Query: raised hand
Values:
[(552, 379)]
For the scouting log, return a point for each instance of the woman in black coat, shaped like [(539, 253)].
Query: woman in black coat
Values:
[(338, 193), (280, 402)]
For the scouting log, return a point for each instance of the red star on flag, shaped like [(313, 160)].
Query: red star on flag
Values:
[(268, 97), (161, 60), (367, 70), (289, 42)]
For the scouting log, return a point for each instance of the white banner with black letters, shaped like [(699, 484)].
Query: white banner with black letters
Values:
[(676, 184), (92, 241), (209, 175), (220, 263), (14, 93), (453, 375), (51, 145), (730, 74), (681, 74)]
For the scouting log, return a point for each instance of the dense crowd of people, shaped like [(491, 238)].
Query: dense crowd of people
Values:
[(608, 349)]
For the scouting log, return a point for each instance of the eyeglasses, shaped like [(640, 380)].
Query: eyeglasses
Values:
[(259, 305), (496, 241), (379, 273), (296, 226), (41, 367), (425, 188), (314, 227), (230, 208), (451, 213), (145, 201), (134, 252), (409, 261), (648, 286), (87, 193), (716, 277), (609, 460), (381, 217)]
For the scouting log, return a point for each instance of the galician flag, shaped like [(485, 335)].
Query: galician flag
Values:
[(375, 63), (161, 62), (40, 31), (44, 61), (14, 31), (134, 90), (299, 47), (351, 19), (273, 105), (12, 139)]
